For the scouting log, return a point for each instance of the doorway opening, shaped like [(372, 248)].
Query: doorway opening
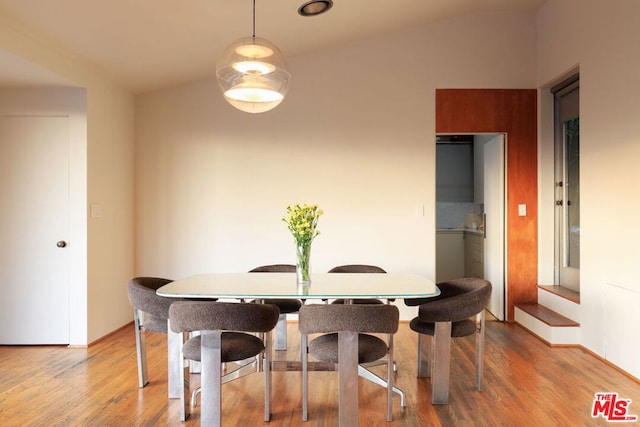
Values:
[(567, 183), (470, 211)]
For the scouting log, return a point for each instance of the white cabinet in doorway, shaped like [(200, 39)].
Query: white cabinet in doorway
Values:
[(473, 254), (449, 255)]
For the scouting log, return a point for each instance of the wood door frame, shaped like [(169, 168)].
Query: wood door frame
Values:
[(514, 112)]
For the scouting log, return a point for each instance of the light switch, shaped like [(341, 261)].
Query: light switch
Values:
[(522, 210), (96, 211)]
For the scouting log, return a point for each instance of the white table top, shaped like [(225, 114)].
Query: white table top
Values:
[(284, 285)]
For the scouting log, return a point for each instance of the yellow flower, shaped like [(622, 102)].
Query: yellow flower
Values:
[(302, 221)]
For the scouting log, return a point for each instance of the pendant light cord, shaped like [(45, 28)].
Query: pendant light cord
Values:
[(254, 19)]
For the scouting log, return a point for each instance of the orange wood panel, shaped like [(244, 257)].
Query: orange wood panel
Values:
[(512, 111)]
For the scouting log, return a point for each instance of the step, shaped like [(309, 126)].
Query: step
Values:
[(551, 327), (563, 292), (546, 315), (561, 300)]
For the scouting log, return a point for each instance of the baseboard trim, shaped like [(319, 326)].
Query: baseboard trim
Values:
[(104, 337)]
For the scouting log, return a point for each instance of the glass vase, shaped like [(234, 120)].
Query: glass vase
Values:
[(303, 254)]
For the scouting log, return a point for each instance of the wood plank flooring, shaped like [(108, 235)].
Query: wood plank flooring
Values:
[(526, 383)]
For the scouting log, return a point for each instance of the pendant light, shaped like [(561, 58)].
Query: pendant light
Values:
[(315, 7), (252, 73)]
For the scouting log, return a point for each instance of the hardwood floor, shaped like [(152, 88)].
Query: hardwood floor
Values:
[(526, 383)]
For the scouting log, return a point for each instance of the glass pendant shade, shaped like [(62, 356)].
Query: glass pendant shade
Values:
[(252, 74)]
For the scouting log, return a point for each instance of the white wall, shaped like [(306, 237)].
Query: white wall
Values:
[(102, 169), (602, 38), (111, 237), (355, 135)]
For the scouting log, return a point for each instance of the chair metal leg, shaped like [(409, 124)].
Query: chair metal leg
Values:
[(141, 350), (380, 362), (194, 397), (247, 366), (184, 380), (348, 378), (175, 362), (305, 376), (281, 332), (390, 378), (479, 351), (424, 356), (194, 365), (370, 376), (210, 413), (267, 376), (441, 363)]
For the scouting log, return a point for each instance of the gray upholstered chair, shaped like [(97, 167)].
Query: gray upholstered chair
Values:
[(452, 311), (358, 268), (223, 338), (143, 298), (286, 306), (348, 323), (364, 268)]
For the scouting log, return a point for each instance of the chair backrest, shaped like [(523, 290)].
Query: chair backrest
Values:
[(459, 300), (142, 295), (325, 318), (357, 268), (274, 268), (188, 316)]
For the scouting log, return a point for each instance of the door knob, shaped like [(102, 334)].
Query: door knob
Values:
[(558, 202), (61, 244)]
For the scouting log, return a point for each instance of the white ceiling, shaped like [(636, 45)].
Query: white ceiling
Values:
[(148, 44)]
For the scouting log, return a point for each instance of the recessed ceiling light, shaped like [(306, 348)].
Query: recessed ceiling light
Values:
[(315, 7)]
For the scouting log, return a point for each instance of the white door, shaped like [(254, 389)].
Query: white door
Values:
[(34, 225), (494, 223)]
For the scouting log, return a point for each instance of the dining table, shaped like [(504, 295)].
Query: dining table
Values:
[(323, 287)]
